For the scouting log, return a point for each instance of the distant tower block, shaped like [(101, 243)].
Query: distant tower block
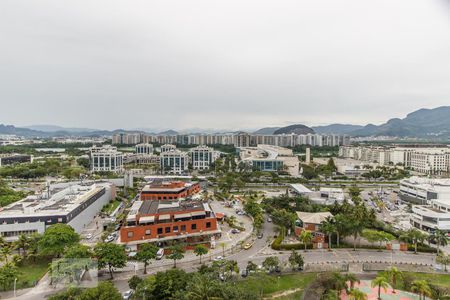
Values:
[(308, 156)]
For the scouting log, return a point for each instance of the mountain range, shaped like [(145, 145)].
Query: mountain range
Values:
[(423, 123)]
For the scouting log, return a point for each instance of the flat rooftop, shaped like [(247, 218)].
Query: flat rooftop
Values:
[(156, 207), (61, 201)]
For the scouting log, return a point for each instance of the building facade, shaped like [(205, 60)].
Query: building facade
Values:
[(143, 149), (75, 205), (169, 190), (106, 159), (202, 157), (174, 162)]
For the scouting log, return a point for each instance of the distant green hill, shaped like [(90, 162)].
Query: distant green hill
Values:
[(296, 129)]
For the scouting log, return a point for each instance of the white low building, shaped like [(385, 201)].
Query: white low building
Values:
[(433, 216), (422, 190), (106, 159), (271, 158), (202, 157), (174, 162), (75, 205)]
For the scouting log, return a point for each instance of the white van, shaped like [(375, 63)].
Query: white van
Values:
[(160, 253)]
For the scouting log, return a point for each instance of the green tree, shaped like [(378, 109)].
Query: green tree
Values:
[(296, 260), (351, 279), (5, 252), (134, 281), (170, 282), (104, 291), (200, 250), (413, 236), (176, 253), (271, 263), (56, 239), (356, 294), (146, 253), (374, 236), (421, 287), (22, 244), (146, 288), (111, 256), (201, 287), (380, 282), (443, 260), (440, 237), (394, 274), (306, 238), (8, 272), (78, 251), (328, 227), (251, 266), (285, 218)]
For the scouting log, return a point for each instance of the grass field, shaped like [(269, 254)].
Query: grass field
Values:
[(272, 284), (31, 272)]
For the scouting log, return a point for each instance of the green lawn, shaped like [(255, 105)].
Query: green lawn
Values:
[(110, 207), (273, 283), (437, 279), (31, 272)]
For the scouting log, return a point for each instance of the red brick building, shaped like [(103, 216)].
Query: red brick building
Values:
[(171, 190), (312, 222), (189, 222)]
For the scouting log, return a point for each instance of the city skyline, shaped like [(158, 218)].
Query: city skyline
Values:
[(221, 65)]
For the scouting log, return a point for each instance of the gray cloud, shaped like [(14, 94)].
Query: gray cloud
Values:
[(221, 64)]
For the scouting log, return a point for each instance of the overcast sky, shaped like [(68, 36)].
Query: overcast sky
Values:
[(221, 64)]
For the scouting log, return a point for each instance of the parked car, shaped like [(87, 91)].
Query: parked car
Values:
[(218, 258), (235, 231), (89, 236), (244, 273), (160, 253), (260, 235), (269, 220), (127, 295), (247, 246), (110, 238)]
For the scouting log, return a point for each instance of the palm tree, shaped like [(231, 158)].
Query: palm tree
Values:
[(5, 251), (306, 238), (339, 283), (413, 236), (440, 237), (394, 274), (351, 279), (421, 287), (22, 244), (356, 294), (200, 250), (328, 227), (223, 245), (202, 288), (380, 282)]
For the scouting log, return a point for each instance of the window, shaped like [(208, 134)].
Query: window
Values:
[(193, 226), (175, 228), (160, 230), (167, 229), (148, 232), (208, 224), (130, 234), (183, 228)]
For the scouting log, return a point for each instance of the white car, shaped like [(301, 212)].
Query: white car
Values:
[(218, 258), (127, 295), (89, 236)]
